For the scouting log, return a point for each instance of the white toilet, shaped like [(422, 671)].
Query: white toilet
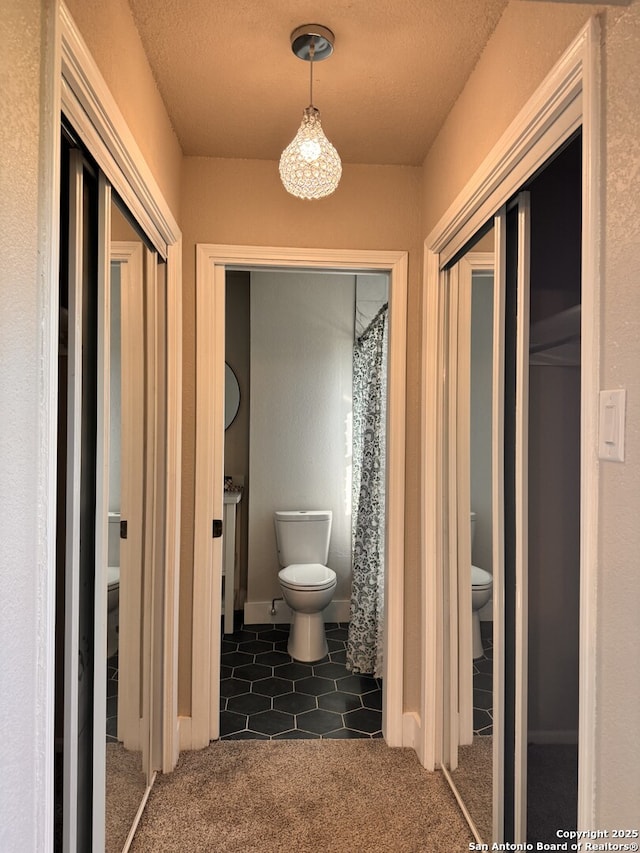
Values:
[(306, 581), (481, 589)]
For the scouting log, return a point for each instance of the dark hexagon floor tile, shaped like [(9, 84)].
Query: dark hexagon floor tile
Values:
[(483, 665), (233, 687), (271, 722), (481, 720), (273, 658), (330, 670), (274, 635), (249, 703), (315, 686), (272, 686), (338, 657), (228, 646), (281, 646), (254, 647), (251, 672), (335, 645), (483, 681), (294, 703), (235, 659), (482, 699), (296, 734), (261, 626), (339, 702), (318, 721), (357, 684), (337, 633), (226, 671), (373, 700), (242, 636), (294, 670), (246, 735), (230, 723), (364, 720), (345, 734)]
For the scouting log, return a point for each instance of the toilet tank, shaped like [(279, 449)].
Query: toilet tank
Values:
[(302, 536)]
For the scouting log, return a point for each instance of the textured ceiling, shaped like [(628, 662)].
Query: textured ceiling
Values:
[(233, 88)]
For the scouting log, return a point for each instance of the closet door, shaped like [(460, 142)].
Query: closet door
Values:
[(514, 267)]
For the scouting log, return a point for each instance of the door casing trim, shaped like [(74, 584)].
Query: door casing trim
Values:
[(211, 263)]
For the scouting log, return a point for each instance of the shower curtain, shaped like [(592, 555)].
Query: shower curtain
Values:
[(366, 625)]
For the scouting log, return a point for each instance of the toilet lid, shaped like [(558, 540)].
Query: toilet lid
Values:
[(480, 577), (307, 576)]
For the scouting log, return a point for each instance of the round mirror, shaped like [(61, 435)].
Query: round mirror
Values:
[(231, 396)]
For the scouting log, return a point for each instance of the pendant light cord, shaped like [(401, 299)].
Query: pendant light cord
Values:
[(312, 50)]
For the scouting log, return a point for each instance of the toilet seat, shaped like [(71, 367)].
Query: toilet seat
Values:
[(480, 578), (307, 576)]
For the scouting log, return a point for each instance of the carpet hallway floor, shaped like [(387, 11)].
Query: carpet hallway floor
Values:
[(301, 796)]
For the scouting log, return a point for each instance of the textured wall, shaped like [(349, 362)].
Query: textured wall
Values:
[(25, 730), (618, 699), (113, 41)]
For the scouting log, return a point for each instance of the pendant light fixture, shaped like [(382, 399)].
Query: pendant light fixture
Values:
[(310, 166)]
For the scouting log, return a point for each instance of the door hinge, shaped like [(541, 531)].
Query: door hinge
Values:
[(217, 528), (123, 529)]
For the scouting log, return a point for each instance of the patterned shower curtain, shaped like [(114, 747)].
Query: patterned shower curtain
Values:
[(366, 625)]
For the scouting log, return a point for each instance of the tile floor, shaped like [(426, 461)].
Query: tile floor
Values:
[(483, 684), (265, 694)]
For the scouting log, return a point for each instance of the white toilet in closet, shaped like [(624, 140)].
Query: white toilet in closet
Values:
[(306, 581), (481, 589)]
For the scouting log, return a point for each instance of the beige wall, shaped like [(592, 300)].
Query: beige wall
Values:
[(528, 40), (26, 189), (113, 41), (618, 697), (243, 202)]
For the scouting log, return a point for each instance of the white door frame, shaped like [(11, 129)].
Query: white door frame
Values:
[(568, 98), (81, 92), (211, 263)]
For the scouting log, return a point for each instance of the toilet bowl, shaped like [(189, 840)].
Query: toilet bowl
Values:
[(307, 584), (481, 589)]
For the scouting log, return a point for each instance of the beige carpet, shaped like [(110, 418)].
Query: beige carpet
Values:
[(474, 780), (125, 787), (317, 795)]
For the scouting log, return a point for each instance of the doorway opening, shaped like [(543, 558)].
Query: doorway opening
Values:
[(212, 268), (305, 382)]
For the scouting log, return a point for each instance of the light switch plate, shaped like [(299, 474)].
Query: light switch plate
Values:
[(611, 432)]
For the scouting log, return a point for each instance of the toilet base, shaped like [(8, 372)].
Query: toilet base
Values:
[(307, 638), (478, 648)]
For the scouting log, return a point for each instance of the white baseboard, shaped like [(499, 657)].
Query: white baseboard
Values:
[(569, 736), (411, 730), (185, 740), (259, 612)]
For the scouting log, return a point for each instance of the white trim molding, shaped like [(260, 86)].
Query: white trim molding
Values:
[(211, 262), (566, 100), (83, 96)]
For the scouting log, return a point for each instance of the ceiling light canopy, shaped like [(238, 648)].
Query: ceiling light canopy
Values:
[(310, 166)]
